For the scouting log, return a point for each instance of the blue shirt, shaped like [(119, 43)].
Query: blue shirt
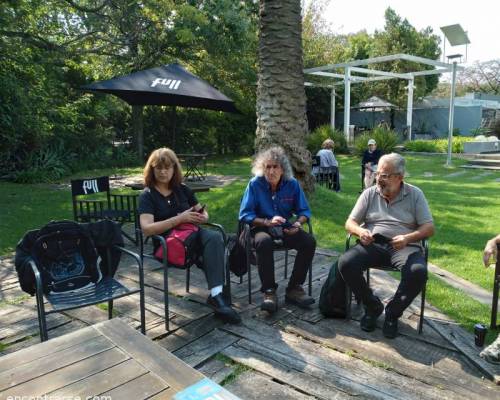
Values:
[(258, 201)]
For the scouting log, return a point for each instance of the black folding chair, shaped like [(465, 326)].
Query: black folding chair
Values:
[(93, 201), (278, 245), (105, 290), (425, 246), (187, 267), (496, 288), (328, 176)]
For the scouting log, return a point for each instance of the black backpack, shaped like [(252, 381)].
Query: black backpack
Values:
[(237, 258), (332, 299), (66, 256)]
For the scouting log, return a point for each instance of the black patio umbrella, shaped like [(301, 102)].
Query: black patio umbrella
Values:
[(166, 85), (169, 85)]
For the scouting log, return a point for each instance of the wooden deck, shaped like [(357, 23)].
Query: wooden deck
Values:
[(293, 354)]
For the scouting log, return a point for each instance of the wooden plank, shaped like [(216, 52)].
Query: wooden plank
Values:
[(104, 381), (7, 309), (205, 347), (156, 359), (68, 375), (297, 379), (240, 292), (463, 342), (217, 370), (188, 333), (141, 388), (353, 375), (30, 327), (90, 315), (253, 386), (58, 331), (51, 362), (431, 365), (19, 315), (180, 306), (46, 348)]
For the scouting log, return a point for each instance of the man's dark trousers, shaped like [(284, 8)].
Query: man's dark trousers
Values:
[(410, 261), (303, 242)]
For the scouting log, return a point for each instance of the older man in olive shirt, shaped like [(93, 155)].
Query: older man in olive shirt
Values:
[(399, 212)]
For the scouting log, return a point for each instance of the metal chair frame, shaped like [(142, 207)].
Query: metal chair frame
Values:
[(278, 246), (106, 290), (166, 266), (496, 288), (425, 246), (326, 175)]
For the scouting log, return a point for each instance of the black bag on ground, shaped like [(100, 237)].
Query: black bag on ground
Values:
[(332, 299), (66, 256), (237, 258)]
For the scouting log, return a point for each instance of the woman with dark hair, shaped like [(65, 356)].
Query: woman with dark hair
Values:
[(271, 199), (166, 203)]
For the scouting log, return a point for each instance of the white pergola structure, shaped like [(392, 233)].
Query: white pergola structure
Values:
[(357, 71)]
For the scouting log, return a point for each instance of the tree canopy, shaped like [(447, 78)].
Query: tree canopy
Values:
[(49, 49)]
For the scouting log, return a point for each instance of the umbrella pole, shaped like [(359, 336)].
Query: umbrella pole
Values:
[(138, 128), (174, 125)]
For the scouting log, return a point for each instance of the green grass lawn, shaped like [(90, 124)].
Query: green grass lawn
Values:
[(466, 210)]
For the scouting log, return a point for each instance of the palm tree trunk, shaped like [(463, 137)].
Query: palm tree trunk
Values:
[(281, 99)]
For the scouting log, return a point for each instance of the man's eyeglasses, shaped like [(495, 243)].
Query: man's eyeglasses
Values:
[(385, 176)]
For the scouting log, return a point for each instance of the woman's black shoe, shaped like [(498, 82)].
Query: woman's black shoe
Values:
[(222, 310)]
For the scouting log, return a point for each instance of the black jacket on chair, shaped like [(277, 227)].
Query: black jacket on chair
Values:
[(104, 234)]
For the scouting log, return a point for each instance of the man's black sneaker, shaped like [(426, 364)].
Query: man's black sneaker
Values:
[(223, 310), (390, 328), (369, 321)]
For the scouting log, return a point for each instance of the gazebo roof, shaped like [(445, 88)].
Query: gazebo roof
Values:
[(374, 103)]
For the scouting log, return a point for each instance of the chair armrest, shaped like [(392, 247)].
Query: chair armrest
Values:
[(163, 244), (38, 281), (132, 254), (38, 276), (425, 246), (309, 226), (220, 228), (348, 237)]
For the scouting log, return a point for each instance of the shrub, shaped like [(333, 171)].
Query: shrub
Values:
[(438, 145), (386, 140), (323, 132), (46, 165)]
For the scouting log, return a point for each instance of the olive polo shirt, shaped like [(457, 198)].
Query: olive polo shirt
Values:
[(403, 215)]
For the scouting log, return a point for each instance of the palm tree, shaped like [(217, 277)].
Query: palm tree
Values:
[(281, 99)]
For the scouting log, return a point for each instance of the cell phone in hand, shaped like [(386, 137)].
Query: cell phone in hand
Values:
[(286, 225), (381, 239), (202, 208)]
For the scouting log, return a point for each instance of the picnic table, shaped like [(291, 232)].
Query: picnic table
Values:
[(109, 360), (195, 168)]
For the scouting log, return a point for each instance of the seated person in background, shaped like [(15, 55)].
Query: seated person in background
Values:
[(399, 212), (271, 198), (369, 162), (490, 256), (328, 163), (165, 203)]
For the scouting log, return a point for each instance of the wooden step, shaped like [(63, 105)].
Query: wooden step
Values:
[(491, 167), (485, 161)]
